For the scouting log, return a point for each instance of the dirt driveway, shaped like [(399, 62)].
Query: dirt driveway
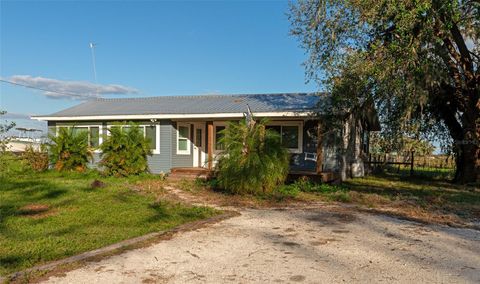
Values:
[(322, 245)]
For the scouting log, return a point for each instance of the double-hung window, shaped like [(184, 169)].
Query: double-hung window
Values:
[(92, 133), (218, 133), (151, 132), (183, 138)]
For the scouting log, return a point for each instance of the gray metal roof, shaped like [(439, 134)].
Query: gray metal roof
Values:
[(202, 104)]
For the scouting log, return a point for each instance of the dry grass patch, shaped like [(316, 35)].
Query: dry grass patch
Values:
[(36, 211), (420, 199), (202, 192)]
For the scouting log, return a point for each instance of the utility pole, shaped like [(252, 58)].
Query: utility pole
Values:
[(92, 48)]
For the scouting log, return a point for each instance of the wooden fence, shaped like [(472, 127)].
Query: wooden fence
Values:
[(411, 162)]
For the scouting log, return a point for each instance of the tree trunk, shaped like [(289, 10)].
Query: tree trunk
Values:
[(468, 154), (465, 133), (468, 164)]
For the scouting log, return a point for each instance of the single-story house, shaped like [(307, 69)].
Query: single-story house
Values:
[(184, 130)]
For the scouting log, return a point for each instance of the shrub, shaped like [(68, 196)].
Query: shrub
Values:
[(304, 185), (125, 151), (254, 160), (340, 196), (69, 150), (288, 191), (36, 159)]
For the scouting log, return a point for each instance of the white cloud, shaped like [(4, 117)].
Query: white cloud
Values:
[(77, 90)]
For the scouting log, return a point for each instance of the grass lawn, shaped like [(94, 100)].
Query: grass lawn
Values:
[(49, 216), (432, 191), (423, 198)]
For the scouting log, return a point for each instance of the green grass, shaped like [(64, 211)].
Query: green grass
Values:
[(425, 172), (430, 198), (422, 188), (302, 188), (75, 217)]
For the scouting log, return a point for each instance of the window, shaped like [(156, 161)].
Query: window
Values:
[(93, 133), (198, 137), (219, 146), (290, 132), (94, 136), (290, 135), (183, 139), (151, 132), (151, 135)]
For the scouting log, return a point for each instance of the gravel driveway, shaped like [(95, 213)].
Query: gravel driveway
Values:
[(322, 245)]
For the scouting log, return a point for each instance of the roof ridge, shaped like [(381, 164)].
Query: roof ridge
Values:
[(204, 96)]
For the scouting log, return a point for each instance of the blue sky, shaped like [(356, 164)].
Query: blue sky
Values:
[(148, 48)]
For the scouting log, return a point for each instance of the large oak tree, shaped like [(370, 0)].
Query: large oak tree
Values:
[(416, 59)]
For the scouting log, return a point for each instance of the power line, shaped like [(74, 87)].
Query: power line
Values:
[(41, 89)]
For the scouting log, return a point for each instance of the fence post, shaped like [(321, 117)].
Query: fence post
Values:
[(411, 163)]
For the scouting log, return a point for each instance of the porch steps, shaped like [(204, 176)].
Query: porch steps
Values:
[(177, 174)]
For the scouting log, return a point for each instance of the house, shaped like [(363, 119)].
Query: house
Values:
[(184, 131)]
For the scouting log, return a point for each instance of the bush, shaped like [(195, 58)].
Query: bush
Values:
[(304, 185), (36, 159), (125, 151), (288, 191), (69, 150), (254, 161)]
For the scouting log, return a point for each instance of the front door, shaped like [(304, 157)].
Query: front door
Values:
[(199, 155)]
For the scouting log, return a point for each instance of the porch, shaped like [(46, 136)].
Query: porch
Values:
[(196, 144)]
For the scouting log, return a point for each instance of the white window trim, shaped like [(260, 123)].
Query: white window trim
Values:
[(100, 132), (299, 124), (157, 134), (184, 152), (215, 124)]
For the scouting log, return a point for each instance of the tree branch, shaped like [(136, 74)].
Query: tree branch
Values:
[(466, 59)]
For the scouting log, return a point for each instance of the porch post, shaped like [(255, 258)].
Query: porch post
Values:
[(210, 144), (319, 148)]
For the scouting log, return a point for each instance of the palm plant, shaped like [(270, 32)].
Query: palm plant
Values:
[(125, 151), (69, 150), (254, 160)]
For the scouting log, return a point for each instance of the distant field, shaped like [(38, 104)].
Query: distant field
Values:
[(434, 173)]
